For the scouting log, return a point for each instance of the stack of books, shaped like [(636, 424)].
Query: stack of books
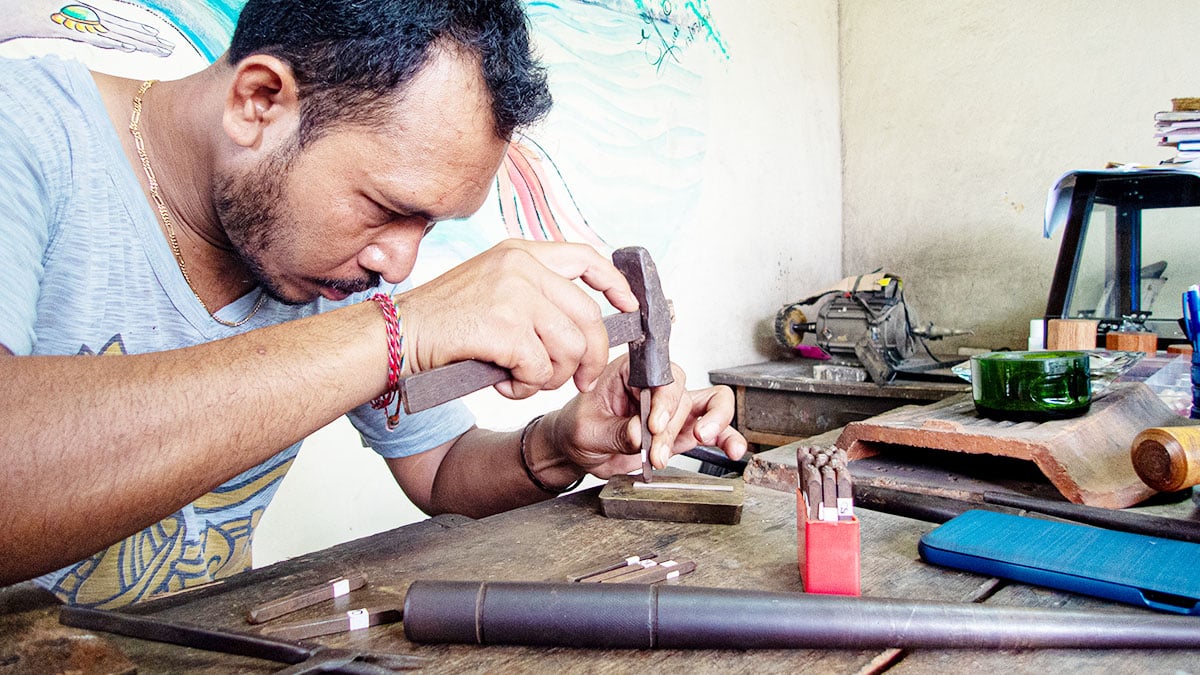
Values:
[(1179, 128)]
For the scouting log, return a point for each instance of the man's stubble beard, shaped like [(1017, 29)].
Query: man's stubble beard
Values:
[(250, 208)]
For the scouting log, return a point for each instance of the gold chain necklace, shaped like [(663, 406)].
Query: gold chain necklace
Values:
[(134, 120)]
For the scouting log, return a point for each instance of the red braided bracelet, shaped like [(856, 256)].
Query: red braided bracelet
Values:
[(395, 360)]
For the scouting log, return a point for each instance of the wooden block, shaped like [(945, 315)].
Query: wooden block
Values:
[(1132, 341), (620, 499), (1071, 334)]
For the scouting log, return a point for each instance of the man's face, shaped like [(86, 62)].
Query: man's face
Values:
[(353, 205)]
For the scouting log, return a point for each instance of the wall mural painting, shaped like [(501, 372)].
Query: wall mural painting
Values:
[(669, 28), (162, 39), (618, 161)]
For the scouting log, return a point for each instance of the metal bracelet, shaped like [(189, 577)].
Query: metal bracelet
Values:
[(529, 472)]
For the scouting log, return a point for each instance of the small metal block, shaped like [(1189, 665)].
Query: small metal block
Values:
[(619, 499)]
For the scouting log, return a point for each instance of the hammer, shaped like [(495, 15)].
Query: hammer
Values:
[(647, 331)]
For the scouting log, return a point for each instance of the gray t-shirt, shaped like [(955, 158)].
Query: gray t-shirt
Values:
[(85, 270)]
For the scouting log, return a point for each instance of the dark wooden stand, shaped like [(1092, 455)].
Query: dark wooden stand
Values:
[(779, 402)]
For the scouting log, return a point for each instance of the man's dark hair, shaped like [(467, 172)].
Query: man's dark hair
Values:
[(349, 56)]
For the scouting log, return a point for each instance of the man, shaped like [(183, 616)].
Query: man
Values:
[(186, 289)]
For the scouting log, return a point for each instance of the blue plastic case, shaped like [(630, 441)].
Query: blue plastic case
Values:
[(1161, 574)]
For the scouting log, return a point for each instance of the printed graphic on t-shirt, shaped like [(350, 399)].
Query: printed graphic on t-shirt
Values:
[(207, 540)]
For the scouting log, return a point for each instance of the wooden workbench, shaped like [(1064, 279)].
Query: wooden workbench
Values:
[(552, 539)]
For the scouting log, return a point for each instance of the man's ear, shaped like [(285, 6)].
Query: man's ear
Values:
[(262, 93)]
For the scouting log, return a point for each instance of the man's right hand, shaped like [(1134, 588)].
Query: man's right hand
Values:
[(517, 305)]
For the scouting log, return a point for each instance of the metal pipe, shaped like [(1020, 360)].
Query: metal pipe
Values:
[(682, 617)]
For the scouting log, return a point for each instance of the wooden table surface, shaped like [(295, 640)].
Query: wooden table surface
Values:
[(548, 541)]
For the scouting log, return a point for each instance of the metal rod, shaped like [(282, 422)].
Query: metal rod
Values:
[(929, 508), (620, 571), (661, 485), (157, 630), (318, 658), (681, 617), (343, 622), (1137, 523), (627, 561), (669, 569), (934, 509), (644, 412)]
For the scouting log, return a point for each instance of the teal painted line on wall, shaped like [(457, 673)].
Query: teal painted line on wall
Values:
[(208, 44)]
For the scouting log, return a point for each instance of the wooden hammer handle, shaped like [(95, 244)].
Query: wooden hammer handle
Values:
[(430, 388)]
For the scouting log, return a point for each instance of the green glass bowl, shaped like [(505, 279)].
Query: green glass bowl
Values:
[(1031, 386)]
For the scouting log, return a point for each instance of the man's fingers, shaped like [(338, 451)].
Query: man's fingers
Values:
[(548, 357), (731, 442), (580, 261), (713, 407), (664, 442), (669, 412), (519, 306), (664, 401), (702, 418), (573, 336), (584, 341)]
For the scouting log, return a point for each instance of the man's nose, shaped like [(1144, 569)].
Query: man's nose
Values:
[(394, 252)]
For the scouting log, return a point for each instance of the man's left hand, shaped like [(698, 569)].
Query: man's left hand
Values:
[(601, 430)]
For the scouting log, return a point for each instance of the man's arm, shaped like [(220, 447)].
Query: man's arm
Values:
[(95, 449)]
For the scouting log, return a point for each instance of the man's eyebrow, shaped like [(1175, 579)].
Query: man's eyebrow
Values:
[(406, 210)]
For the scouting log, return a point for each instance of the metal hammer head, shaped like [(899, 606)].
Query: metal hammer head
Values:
[(649, 357)]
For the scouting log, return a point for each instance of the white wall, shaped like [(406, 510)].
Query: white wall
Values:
[(958, 116), (768, 230)]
